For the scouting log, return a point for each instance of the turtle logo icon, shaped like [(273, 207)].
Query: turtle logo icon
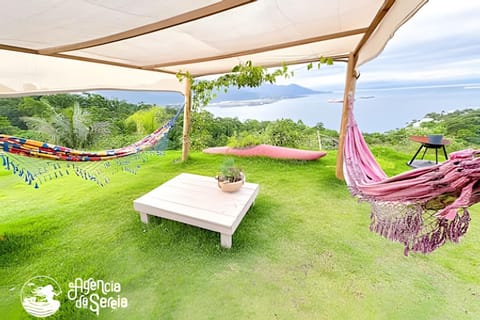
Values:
[(38, 296)]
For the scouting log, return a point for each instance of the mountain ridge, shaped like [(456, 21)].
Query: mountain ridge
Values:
[(265, 91)]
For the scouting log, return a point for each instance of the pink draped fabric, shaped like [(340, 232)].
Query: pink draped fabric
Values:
[(422, 208)]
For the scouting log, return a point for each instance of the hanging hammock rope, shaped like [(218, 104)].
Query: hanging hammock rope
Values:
[(421, 208), (37, 162)]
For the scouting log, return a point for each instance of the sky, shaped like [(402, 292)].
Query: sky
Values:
[(439, 44)]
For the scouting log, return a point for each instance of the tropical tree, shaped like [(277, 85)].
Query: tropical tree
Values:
[(148, 120), (5, 126), (9, 109), (61, 101), (285, 133), (70, 127)]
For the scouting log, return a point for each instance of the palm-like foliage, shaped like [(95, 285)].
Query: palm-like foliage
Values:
[(70, 127), (146, 121)]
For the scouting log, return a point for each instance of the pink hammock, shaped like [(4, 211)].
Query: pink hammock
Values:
[(421, 208)]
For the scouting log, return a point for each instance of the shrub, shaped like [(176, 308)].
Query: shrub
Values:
[(244, 140)]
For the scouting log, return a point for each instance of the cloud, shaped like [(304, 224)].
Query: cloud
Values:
[(439, 44), (326, 78), (439, 20)]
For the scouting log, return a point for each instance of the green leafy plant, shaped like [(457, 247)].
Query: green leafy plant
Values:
[(244, 140), (229, 172), (242, 75), (323, 60), (71, 127)]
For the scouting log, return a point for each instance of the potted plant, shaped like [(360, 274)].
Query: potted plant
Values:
[(231, 177)]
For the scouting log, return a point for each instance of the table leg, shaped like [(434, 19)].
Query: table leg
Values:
[(226, 240), (416, 153), (424, 152), (445, 153), (144, 217)]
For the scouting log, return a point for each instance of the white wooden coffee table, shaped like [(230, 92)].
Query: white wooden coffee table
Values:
[(197, 201)]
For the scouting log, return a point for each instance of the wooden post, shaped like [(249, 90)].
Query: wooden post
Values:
[(319, 141), (187, 119), (349, 88), (352, 78)]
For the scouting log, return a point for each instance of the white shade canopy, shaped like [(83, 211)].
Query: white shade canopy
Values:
[(58, 46)]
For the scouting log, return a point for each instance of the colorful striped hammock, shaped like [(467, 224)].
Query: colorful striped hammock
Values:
[(26, 158), (422, 208)]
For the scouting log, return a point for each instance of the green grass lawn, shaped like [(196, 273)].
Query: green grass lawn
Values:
[(303, 251)]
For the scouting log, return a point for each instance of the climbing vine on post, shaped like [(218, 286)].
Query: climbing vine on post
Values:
[(242, 75), (322, 60)]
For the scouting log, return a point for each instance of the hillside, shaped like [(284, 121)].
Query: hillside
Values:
[(265, 91), (146, 97)]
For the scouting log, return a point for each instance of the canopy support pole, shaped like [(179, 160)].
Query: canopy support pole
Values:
[(187, 119), (352, 78), (349, 88)]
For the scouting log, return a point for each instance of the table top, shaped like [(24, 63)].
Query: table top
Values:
[(424, 140), (198, 198)]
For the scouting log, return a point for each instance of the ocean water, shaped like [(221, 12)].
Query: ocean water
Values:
[(376, 110)]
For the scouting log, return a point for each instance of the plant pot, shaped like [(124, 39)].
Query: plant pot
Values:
[(435, 138), (226, 186), (230, 186)]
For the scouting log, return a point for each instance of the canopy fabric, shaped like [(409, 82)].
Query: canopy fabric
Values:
[(23, 73), (55, 46)]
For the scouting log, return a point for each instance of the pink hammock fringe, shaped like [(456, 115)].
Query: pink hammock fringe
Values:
[(421, 208)]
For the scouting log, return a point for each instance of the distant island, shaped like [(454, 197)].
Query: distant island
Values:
[(266, 93)]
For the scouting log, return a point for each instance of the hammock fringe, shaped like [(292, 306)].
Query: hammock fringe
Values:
[(418, 230)]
